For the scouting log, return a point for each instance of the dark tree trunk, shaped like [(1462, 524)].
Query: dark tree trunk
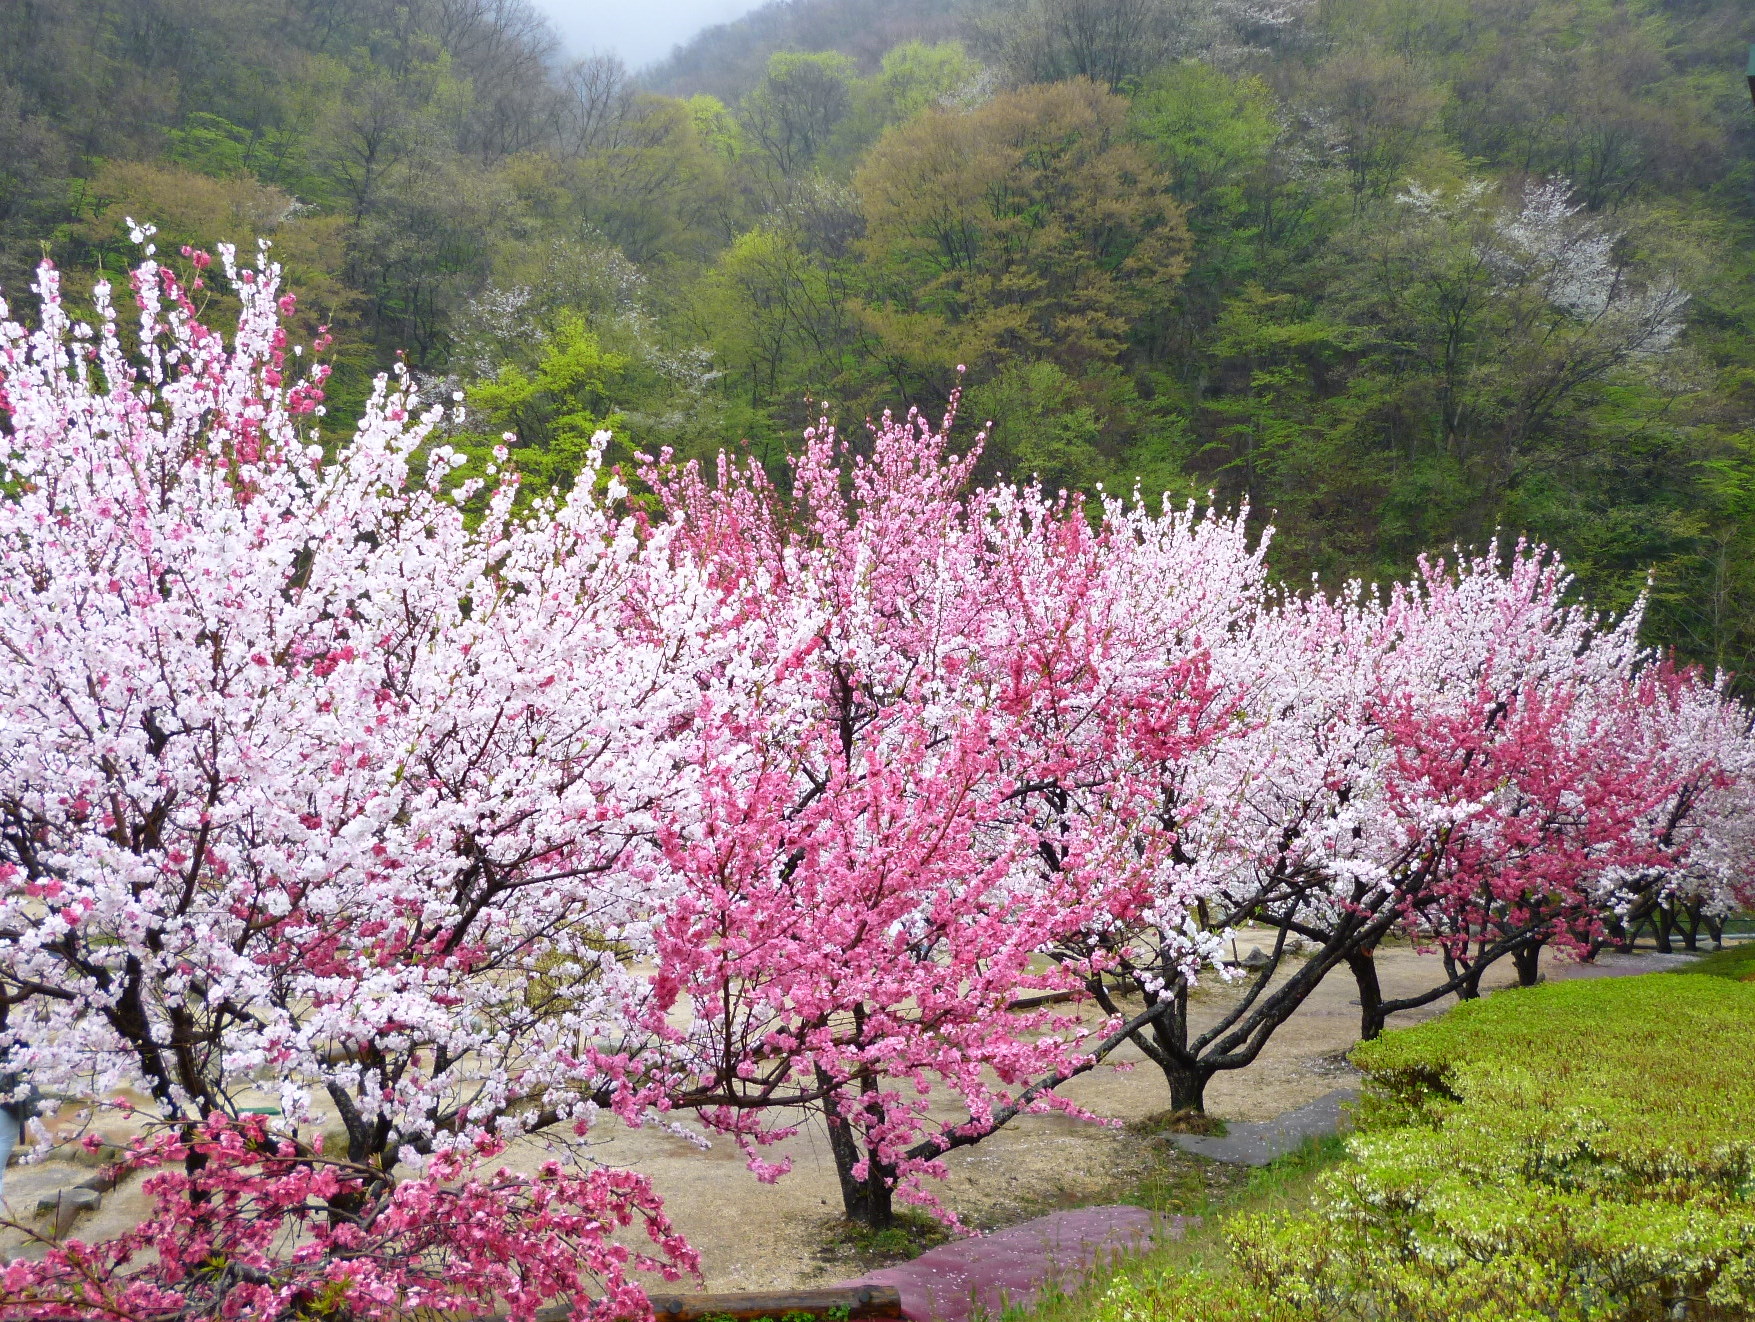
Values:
[(1528, 959), (1466, 978), (1625, 935), (1666, 926), (1371, 1016), (1188, 1086), (1469, 989), (1168, 1046), (869, 1201), (1691, 930)]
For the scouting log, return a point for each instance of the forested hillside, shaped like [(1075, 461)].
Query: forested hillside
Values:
[(1399, 273)]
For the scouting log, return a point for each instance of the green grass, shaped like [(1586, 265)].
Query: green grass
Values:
[(848, 1243), (1734, 962), (1286, 1184), (1576, 1152), (1178, 1122)]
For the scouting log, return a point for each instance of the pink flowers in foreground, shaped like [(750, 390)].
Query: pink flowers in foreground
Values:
[(260, 1227), (443, 833)]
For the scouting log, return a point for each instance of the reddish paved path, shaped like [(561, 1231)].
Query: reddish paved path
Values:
[(1010, 1266)]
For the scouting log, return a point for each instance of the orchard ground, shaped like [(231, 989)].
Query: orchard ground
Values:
[(753, 1236)]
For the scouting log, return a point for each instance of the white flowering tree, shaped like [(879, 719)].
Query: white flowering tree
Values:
[(314, 796), (1508, 308)]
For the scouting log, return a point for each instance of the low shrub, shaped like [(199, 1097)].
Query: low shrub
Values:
[(1575, 1152)]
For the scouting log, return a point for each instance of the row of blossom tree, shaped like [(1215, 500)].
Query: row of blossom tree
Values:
[(441, 819)]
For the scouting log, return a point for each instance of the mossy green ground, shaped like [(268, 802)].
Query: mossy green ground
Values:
[(1575, 1152)]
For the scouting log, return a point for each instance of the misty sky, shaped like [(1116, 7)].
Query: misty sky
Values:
[(640, 31)]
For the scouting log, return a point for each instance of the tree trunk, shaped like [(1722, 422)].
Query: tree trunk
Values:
[(1466, 976), (1168, 1048), (869, 1201), (1364, 968), (1691, 930), (1188, 1086), (1470, 989), (1625, 935), (1528, 959), (1666, 925)]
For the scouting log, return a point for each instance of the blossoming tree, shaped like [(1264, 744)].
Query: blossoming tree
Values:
[(1465, 759), (314, 795), (436, 819), (885, 844)]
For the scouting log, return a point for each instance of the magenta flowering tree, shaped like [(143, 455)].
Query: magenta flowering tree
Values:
[(1704, 868), (228, 1195), (1571, 773), (1465, 759), (315, 796), (926, 775)]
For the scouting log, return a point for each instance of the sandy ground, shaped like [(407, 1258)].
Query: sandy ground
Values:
[(754, 1236)]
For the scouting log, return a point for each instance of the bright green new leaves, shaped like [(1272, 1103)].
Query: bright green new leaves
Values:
[(553, 410), (1041, 431), (795, 109), (1576, 1152), (1211, 132)]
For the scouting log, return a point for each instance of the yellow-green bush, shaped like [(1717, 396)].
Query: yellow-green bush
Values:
[(1576, 1152)]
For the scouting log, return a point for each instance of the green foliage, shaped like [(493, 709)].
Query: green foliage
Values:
[(1027, 227), (794, 111), (553, 411), (1040, 429), (1212, 132), (1175, 244), (1736, 962), (914, 77), (1578, 1151), (909, 1235)]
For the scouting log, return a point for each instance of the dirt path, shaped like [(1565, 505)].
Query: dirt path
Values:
[(755, 1236)]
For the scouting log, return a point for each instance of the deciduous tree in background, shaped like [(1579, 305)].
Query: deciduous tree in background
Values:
[(1030, 225)]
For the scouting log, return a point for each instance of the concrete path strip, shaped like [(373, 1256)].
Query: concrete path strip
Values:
[(1249, 1144)]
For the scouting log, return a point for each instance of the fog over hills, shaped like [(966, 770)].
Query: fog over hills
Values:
[(726, 60), (640, 34)]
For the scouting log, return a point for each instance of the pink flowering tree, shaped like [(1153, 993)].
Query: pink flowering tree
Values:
[(1512, 730), (1271, 831), (322, 800), (927, 777), (1465, 759), (1703, 869), (1572, 773)]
